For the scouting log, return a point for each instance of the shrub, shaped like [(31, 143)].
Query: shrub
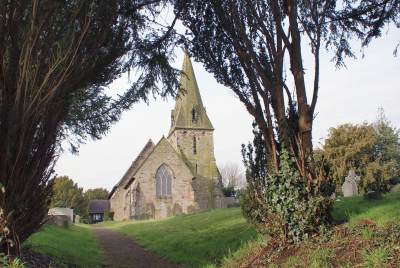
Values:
[(284, 205), (108, 215)]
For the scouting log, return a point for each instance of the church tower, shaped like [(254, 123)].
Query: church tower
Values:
[(191, 135)]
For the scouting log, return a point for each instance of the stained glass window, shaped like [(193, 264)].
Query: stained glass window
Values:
[(163, 181)]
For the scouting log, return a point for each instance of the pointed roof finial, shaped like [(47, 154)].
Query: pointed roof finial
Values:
[(189, 110)]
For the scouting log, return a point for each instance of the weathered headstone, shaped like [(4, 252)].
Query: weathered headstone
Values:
[(58, 220), (193, 208), (163, 211), (176, 209), (349, 187), (68, 212), (372, 195)]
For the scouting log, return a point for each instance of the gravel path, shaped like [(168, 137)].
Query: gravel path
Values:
[(123, 252)]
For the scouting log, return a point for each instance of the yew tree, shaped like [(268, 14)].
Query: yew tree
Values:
[(67, 194), (256, 48), (56, 60), (371, 150)]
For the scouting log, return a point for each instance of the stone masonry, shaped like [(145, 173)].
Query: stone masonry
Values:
[(178, 174)]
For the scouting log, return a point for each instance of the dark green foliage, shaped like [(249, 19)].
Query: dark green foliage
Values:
[(108, 215), (284, 205), (229, 191), (246, 45), (96, 194), (371, 150), (56, 60), (67, 194)]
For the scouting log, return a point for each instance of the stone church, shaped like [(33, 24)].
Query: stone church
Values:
[(178, 174)]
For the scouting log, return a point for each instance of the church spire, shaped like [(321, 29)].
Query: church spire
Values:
[(189, 112)]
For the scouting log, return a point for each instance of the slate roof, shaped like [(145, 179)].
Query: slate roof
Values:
[(188, 99), (98, 206), (127, 178)]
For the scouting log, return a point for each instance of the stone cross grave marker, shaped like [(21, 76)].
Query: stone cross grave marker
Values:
[(349, 187)]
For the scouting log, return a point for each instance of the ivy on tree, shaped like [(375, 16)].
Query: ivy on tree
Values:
[(245, 45)]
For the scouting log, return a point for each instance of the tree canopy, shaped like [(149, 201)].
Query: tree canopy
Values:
[(56, 60), (67, 194), (246, 45), (233, 178), (96, 194), (371, 150)]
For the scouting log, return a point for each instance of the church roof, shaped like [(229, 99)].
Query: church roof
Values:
[(126, 179), (189, 111), (98, 206)]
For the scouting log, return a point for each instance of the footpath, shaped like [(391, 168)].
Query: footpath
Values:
[(122, 252)]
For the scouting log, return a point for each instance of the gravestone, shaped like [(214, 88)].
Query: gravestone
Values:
[(68, 212), (163, 211), (349, 187), (176, 209), (373, 195), (193, 208)]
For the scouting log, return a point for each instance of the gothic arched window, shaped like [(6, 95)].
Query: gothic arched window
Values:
[(163, 181)]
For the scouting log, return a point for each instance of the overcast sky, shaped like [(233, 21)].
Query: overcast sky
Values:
[(351, 95)]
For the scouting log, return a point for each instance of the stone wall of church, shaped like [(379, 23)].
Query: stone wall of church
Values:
[(201, 161), (139, 200)]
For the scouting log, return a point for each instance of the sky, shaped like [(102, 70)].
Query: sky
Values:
[(348, 95)]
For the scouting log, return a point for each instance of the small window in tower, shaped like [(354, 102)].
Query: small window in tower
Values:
[(194, 116), (194, 145), (172, 120), (196, 168)]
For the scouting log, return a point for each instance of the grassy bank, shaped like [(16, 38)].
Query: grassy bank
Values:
[(75, 244), (379, 211), (370, 237), (197, 240)]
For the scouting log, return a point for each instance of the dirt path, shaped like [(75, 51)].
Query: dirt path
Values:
[(123, 252)]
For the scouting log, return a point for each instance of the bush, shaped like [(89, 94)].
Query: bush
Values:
[(108, 215), (395, 189), (284, 205), (229, 191)]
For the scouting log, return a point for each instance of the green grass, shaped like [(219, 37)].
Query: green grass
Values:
[(223, 238), (320, 258), (376, 257), (75, 244), (379, 211), (196, 240)]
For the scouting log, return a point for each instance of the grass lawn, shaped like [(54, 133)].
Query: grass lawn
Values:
[(75, 244), (202, 239), (369, 238), (379, 211)]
